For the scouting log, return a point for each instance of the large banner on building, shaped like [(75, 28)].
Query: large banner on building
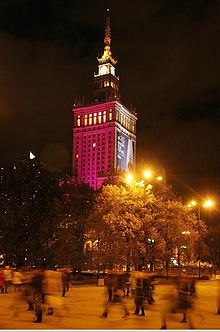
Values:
[(125, 151)]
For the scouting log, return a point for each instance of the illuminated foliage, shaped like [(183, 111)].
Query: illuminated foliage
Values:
[(141, 227)]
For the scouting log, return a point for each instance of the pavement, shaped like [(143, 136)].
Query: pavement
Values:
[(82, 306)]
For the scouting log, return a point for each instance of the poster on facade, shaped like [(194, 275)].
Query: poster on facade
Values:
[(125, 153)]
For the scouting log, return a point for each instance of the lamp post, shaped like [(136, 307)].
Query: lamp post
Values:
[(151, 243), (148, 175), (206, 204), (199, 219)]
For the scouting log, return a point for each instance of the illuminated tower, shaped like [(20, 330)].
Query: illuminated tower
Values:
[(104, 132), (106, 82)]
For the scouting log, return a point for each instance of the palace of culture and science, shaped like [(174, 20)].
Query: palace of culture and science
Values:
[(104, 132)]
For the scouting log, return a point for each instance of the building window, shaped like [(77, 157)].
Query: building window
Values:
[(95, 118), (90, 119), (100, 117), (78, 121), (110, 115), (86, 120), (104, 116)]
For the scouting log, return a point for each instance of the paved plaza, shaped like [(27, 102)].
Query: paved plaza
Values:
[(84, 305)]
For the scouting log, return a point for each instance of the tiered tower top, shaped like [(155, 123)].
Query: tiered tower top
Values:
[(106, 82), (107, 54)]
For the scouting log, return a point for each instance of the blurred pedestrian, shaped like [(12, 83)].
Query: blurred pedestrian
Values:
[(218, 298), (108, 283), (52, 289), (148, 288), (8, 277), (186, 294), (180, 302), (117, 293), (132, 284), (17, 280), (2, 281), (65, 281), (38, 294), (139, 298)]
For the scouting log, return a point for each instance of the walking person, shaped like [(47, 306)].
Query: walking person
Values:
[(65, 281), (186, 293), (8, 277), (148, 290), (181, 302), (132, 283), (38, 294), (53, 299), (117, 293), (2, 281), (139, 298), (109, 286), (17, 280), (218, 298)]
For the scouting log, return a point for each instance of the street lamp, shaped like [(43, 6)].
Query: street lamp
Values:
[(147, 174), (129, 178), (146, 181), (206, 204), (159, 178)]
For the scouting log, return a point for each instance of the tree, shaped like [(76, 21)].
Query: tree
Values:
[(177, 226), (138, 227), (212, 242), (27, 211), (122, 211), (75, 207)]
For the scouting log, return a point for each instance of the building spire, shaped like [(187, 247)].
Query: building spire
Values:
[(107, 40), (106, 81), (107, 54)]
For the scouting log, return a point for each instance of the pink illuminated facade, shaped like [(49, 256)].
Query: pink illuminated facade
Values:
[(104, 132)]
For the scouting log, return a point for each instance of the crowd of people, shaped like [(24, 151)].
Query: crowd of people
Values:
[(47, 288), (141, 287), (37, 287), (10, 277)]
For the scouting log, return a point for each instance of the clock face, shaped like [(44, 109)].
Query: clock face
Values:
[(104, 70)]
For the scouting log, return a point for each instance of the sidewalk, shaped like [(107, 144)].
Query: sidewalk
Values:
[(84, 305)]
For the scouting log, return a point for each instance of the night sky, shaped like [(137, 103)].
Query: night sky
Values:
[(168, 55)]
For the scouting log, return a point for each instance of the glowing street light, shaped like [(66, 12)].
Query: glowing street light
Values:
[(159, 178), (192, 203), (147, 174), (206, 204), (129, 178)]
